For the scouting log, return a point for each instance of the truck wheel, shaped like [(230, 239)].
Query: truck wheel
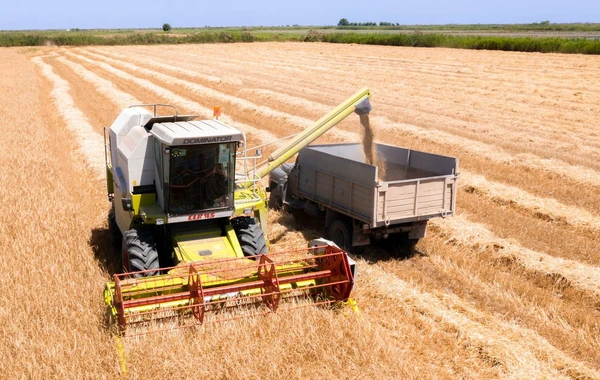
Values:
[(275, 197), (399, 245), (250, 235), (340, 233), (140, 253)]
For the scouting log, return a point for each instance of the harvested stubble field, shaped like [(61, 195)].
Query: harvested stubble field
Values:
[(510, 288)]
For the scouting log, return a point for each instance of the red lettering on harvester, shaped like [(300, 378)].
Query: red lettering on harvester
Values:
[(206, 215)]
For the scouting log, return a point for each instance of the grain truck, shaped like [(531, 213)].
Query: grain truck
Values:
[(358, 202)]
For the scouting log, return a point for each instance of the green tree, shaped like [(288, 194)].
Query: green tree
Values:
[(343, 22), (166, 27)]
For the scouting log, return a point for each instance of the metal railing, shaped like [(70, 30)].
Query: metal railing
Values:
[(154, 105)]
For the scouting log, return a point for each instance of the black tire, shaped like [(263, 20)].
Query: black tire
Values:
[(250, 235), (402, 240), (413, 242), (400, 246), (115, 233), (140, 253), (340, 233), (275, 197)]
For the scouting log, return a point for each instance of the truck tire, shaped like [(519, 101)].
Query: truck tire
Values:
[(140, 253), (250, 235), (275, 197), (400, 246), (340, 233)]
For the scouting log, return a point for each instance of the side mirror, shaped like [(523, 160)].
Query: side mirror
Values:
[(127, 204)]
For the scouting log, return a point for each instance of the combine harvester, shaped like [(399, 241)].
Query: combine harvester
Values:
[(192, 228)]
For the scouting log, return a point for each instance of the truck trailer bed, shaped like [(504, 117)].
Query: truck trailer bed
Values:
[(405, 186)]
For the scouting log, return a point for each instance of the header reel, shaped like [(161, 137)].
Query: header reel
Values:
[(194, 293)]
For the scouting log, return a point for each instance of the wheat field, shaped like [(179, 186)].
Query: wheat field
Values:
[(509, 288)]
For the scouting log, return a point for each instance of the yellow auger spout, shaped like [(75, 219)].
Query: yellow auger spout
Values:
[(359, 103)]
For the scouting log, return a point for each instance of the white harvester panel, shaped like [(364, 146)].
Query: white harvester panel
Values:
[(128, 118), (196, 132), (136, 159)]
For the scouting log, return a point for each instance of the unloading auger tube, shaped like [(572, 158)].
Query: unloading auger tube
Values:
[(359, 103), (221, 290)]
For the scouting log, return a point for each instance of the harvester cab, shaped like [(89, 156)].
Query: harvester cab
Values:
[(165, 172)]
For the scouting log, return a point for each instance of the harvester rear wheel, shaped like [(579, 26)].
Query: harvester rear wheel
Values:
[(140, 253), (250, 235)]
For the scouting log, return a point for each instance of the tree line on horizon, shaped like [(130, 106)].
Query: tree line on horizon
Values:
[(345, 22)]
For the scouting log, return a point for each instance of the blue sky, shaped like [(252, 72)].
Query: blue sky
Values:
[(63, 14)]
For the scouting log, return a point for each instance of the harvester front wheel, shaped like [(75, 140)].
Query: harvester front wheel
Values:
[(250, 235), (140, 253)]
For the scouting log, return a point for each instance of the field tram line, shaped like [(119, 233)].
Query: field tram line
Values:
[(170, 96), (450, 124), (518, 351), (548, 209), (295, 68), (101, 85), (91, 143), (386, 105), (160, 91), (574, 172), (258, 77), (236, 64), (114, 93), (433, 70), (178, 69), (332, 64), (185, 102), (564, 273), (209, 92), (558, 327), (156, 57), (141, 60), (457, 129)]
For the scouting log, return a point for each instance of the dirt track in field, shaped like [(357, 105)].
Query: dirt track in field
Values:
[(509, 288)]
